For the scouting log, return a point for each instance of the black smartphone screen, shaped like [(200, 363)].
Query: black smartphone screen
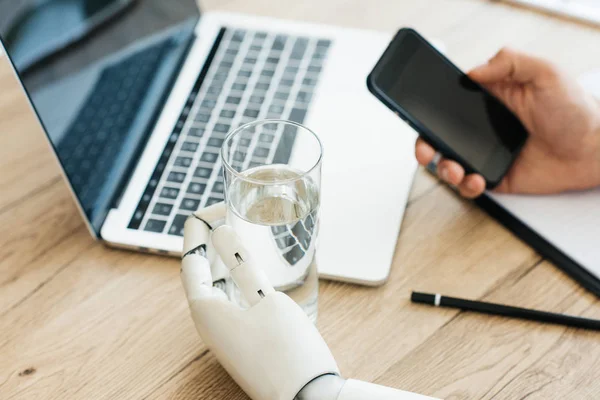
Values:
[(456, 115)]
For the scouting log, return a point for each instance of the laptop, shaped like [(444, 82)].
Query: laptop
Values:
[(137, 106)]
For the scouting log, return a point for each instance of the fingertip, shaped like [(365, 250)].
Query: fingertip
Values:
[(451, 172), (424, 152), (472, 186), (477, 72)]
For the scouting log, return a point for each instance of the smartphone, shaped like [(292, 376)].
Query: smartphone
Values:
[(454, 114)]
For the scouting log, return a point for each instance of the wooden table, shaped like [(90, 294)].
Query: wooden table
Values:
[(79, 320)]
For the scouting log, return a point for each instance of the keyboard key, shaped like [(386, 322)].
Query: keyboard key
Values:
[(176, 177), (309, 82), (302, 235), (244, 73), (304, 97), (320, 53), (256, 99), (218, 187), (266, 138), (169, 193), (276, 109), (202, 117), (238, 86), (239, 156), (260, 35), (281, 96), (208, 104), (250, 60), (267, 73), (196, 188), (325, 43), (219, 135), (202, 172), (297, 53), (183, 162), (297, 115), (279, 42), (214, 89), (137, 216), (294, 255), (284, 146), (301, 42), (162, 209), (238, 35), (212, 200), (318, 56), (221, 128), (244, 142), (227, 113), (209, 157), (190, 204), (177, 225), (155, 225), (286, 82), (273, 60), (189, 146), (218, 77), (233, 100), (314, 68), (251, 113), (215, 142), (278, 229), (285, 241), (261, 152), (290, 70), (262, 86), (196, 132)]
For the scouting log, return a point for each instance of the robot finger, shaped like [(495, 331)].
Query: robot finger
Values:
[(249, 278), (196, 235), (196, 273), (211, 213)]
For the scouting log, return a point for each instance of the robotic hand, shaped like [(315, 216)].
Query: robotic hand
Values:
[(272, 350)]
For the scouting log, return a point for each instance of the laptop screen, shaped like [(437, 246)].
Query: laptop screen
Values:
[(97, 72)]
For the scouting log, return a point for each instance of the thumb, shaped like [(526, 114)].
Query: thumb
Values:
[(510, 65)]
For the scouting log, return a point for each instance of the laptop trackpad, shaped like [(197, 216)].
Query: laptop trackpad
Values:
[(368, 169)]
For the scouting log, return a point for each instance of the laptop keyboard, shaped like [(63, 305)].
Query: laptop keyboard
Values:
[(253, 75), (92, 141)]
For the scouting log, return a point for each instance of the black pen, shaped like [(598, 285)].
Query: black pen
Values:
[(506, 311)]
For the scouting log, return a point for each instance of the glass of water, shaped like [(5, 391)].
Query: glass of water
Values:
[(272, 172)]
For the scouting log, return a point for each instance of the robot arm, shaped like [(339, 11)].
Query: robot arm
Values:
[(272, 350)]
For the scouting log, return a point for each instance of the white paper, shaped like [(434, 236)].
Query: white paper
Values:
[(570, 221)]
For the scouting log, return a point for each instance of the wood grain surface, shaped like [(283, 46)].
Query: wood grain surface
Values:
[(79, 320)]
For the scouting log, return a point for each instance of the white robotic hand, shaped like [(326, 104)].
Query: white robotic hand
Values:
[(272, 349)]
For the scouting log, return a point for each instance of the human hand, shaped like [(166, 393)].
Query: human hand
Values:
[(563, 149)]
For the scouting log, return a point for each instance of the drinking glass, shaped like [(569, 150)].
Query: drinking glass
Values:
[(272, 174)]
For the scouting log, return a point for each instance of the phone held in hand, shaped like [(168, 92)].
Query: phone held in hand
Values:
[(451, 112)]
